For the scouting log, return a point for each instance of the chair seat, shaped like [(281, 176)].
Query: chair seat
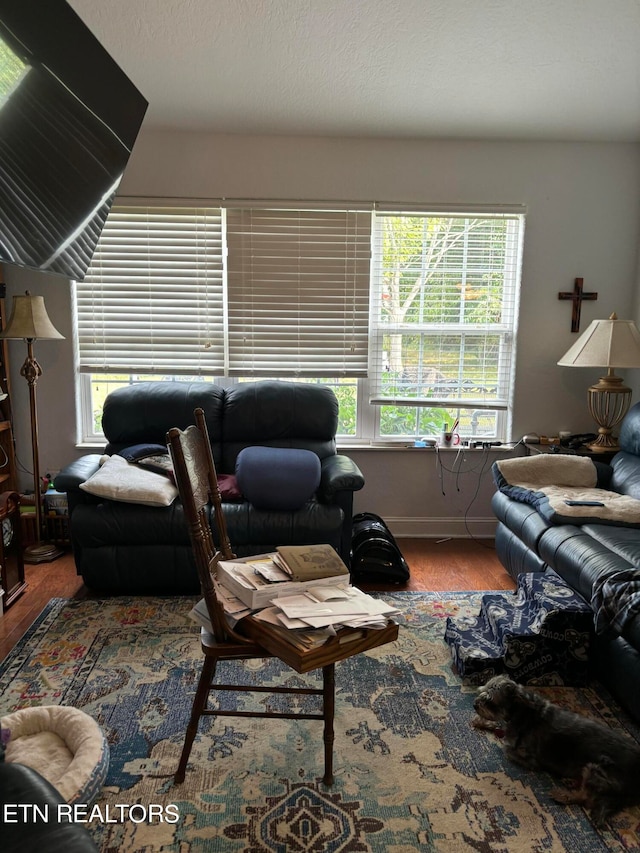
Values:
[(282, 643)]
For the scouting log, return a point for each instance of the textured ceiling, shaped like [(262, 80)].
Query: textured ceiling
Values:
[(476, 69)]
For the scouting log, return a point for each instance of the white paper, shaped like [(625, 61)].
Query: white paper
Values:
[(229, 602), (270, 615), (328, 593), (357, 609), (301, 606), (271, 573)]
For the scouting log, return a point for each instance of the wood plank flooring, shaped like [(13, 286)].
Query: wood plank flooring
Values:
[(451, 564)]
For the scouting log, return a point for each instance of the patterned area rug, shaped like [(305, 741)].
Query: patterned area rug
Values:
[(411, 774)]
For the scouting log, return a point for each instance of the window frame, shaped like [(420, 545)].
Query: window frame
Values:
[(368, 415), (505, 330)]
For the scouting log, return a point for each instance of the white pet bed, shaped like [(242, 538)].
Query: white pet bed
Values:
[(64, 745)]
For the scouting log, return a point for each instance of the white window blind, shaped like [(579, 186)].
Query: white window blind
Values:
[(292, 300), (298, 290), (153, 301), (444, 314)]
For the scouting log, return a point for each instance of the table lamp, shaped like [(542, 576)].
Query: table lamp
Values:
[(29, 321), (606, 343)]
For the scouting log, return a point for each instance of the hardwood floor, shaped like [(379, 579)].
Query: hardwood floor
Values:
[(451, 564), (44, 582)]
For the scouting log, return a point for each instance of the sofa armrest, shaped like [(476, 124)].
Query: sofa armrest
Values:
[(69, 479), (338, 474)]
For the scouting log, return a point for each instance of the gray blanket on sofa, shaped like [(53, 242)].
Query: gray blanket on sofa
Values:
[(563, 490), (616, 600)]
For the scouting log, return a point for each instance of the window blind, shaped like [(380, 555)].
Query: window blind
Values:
[(444, 315), (298, 291), (153, 300)]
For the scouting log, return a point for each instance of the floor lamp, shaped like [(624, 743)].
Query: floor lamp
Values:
[(606, 343), (29, 322)]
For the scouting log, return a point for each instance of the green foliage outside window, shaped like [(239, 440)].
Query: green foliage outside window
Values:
[(102, 385), (441, 288)]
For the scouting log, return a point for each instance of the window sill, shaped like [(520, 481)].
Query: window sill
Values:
[(87, 447)]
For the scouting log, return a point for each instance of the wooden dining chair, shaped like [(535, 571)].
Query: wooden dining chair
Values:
[(197, 483)]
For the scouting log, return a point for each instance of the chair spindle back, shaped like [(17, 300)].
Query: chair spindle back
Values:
[(197, 483)]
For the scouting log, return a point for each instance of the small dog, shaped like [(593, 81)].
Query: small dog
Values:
[(601, 766)]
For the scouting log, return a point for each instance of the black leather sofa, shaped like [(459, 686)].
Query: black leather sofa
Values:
[(31, 822), (585, 554), (127, 548)]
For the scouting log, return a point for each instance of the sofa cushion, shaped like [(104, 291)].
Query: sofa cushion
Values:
[(277, 478), (146, 411), (119, 523), (153, 457), (119, 480), (257, 531), (277, 414), (623, 541), (578, 558), (136, 452)]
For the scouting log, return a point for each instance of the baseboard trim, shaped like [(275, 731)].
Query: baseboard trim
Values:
[(442, 528)]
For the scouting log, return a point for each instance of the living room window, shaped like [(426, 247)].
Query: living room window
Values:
[(414, 312), (444, 313)]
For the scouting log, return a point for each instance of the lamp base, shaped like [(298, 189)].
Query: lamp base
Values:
[(604, 443), (609, 402), (41, 552)]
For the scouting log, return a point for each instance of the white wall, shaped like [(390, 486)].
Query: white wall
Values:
[(583, 203)]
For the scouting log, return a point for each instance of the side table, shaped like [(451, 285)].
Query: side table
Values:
[(605, 457)]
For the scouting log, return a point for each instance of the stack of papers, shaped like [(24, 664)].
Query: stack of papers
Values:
[(313, 610), (234, 609), (257, 580), (328, 607)]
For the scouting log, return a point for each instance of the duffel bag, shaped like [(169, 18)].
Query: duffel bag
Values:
[(375, 555)]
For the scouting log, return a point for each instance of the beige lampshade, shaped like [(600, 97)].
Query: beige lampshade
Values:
[(29, 320), (606, 343)]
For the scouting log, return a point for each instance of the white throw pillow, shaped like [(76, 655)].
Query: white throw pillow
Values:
[(119, 480)]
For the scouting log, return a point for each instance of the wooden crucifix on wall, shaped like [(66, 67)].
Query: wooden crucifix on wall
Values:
[(576, 295)]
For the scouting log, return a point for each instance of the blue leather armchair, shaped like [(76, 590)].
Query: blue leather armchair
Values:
[(123, 548)]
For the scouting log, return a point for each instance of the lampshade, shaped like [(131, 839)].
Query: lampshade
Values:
[(606, 343), (29, 320)]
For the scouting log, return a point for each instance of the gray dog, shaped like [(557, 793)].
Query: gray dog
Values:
[(601, 766)]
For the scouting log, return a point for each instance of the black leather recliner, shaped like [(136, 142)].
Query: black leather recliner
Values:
[(123, 548), (31, 821)]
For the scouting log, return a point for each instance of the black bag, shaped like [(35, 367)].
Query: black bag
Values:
[(375, 555)]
